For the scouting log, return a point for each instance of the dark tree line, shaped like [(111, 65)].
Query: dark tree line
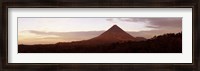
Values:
[(167, 43)]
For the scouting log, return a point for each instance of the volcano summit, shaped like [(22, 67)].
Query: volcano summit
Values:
[(112, 35), (115, 34)]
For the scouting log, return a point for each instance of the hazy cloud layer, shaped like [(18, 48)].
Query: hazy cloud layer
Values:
[(158, 23), (69, 36)]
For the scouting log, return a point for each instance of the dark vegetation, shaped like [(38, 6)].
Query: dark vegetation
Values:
[(167, 43)]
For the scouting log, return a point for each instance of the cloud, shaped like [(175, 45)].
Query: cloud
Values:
[(134, 19), (158, 23), (167, 22), (110, 19), (69, 36)]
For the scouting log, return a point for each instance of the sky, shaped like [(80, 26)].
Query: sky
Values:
[(52, 30)]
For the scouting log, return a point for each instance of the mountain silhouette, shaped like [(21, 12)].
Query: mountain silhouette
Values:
[(114, 34)]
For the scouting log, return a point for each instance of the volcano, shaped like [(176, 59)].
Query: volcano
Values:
[(115, 34), (112, 35)]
